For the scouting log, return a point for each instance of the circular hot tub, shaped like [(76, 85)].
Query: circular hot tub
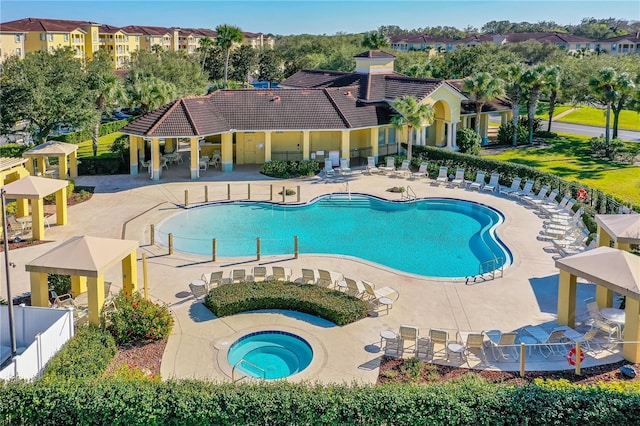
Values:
[(270, 354)]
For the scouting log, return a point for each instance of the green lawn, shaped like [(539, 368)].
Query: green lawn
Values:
[(569, 158), (542, 110), (592, 116), (104, 144)]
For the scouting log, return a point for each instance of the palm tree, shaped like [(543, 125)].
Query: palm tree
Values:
[(511, 77), (625, 89), (413, 114), (603, 88), (157, 49), (375, 40), (553, 87), (205, 44), (481, 88), (148, 92), (226, 36), (536, 80)]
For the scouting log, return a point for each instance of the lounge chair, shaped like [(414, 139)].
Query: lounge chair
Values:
[(554, 342), (565, 212), (526, 189), (215, 279), (532, 199), (493, 184), (458, 180), (502, 344), (308, 276), (325, 279), (404, 168), (479, 182), (281, 274), (238, 276), (611, 330), (199, 291), (422, 171), (438, 337), (344, 166), (373, 292), (546, 208), (575, 241), (328, 168), (443, 175), (409, 333), (587, 340), (515, 186), (475, 342), (354, 288), (371, 165), (390, 167), (259, 273)]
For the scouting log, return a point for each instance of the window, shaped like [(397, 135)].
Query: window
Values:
[(138, 39), (614, 47), (578, 45), (588, 45), (50, 37), (17, 38), (43, 36), (147, 39), (18, 51), (391, 135), (380, 136), (66, 37)]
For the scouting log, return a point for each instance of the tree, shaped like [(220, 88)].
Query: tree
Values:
[(511, 76), (625, 89), (148, 92), (227, 36), (205, 44), (553, 87), (603, 89), (45, 89), (536, 79), (243, 63), (413, 114), (375, 40), (481, 88), (106, 87), (269, 66)]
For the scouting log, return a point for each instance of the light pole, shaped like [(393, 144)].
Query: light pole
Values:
[(12, 334)]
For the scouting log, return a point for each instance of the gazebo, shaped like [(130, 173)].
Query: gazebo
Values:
[(623, 230), (35, 188), (60, 150), (12, 169), (85, 259), (613, 269)]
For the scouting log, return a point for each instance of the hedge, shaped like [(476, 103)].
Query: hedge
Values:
[(13, 150), (86, 134), (466, 401), (105, 164), (337, 307), (86, 355)]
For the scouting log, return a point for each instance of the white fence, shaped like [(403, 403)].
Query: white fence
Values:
[(39, 332)]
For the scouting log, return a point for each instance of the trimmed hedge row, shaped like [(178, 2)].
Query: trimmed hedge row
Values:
[(86, 134), (85, 356), (287, 169), (337, 307), (463, 402), (105, 164), (13, 150)]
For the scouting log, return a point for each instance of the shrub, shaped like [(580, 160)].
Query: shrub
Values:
[(544, 134), (505, 134), (61, 284), (468, 141), (137, 320), (332, 305), (51, 198), (13, 150), (120, 146), (85, 356), (105, 164), (524, 122), (133, 373), (83, 135), (287, 169), (412, 368)]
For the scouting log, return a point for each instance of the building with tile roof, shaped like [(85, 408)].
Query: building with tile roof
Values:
[(620, 45), (315, 115)]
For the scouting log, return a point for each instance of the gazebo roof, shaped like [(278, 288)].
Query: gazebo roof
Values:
[(622, 228), (614, 269), (84, 256), (7, 163), (33, 187), (51, 148)]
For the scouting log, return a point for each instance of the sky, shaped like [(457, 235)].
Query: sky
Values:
[(317, 16)]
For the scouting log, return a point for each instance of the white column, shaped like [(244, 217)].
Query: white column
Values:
[(454, 129), (423, 135), (450, 136)]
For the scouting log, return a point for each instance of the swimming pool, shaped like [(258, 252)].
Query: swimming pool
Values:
[(270, 354), (435, 237)]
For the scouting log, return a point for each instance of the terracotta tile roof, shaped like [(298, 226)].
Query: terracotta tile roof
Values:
[(359, 114), (108, 29), (45, 25), (147, 30), (550, 37), (312, 78), (631, 37), (418, 39), (374, 54)]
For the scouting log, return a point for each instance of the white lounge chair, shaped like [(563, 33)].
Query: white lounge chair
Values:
[(328, 168), (215, 279), (371, 165), (373, 293), (199, 291), (390, 167), (308, 276), (422, 171), (458, 180), (259, 273), (281, 274), (354, 288), (493, 184), (443, 175), (515, 186), (503, 344), (344, 166), (535, 198), (479, 182), (562, 212), (404, 168), (546, 209), (526, 189), (550, 199), (238, 276)]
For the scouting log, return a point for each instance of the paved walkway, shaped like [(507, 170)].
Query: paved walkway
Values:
[(126, 206)]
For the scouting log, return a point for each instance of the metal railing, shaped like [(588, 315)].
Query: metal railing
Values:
[(492, 265), (409, 194), (242, 360)]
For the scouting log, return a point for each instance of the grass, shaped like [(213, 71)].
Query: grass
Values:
[(591, 116), (568, 158), (104, 145), (542, 110)]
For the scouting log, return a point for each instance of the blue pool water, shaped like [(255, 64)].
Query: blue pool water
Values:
[(270, 354), (432, 237)]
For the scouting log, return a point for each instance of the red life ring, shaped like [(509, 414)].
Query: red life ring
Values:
[(582, 194), (571, 356)]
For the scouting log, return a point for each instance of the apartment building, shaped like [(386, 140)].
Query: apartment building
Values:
[(11, 43), (421, 42), (620, 45), (259, 40)]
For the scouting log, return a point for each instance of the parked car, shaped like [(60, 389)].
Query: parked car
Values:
[(120, 115)]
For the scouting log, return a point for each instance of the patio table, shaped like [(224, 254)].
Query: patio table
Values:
[(614, 315)]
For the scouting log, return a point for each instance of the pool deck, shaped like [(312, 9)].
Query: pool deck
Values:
[(125, 206)]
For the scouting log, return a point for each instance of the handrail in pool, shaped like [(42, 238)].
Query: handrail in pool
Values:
[(233, 370)]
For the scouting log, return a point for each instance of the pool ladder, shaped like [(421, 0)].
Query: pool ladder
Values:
[(242, 360), (490, 265), (409, 194)]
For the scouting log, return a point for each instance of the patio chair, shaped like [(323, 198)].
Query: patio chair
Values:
[(611, 330), (422, 171), (15, 228), (443, 175), (530, 199), (344, 166), (515, 186), (390, 166), (409, 334), (308, 276), (280, 273), (556, 343), (438, 337), (479, 182), (394, 347), (475, 342), (328, 168), (325, 279), (458, 180), (503, 344), (354, 289), (145, 164), (564, 213), (404, 168), (526, 189), (545, 209), (199, 291), (493, 184), (259, 273), (164, 163), (372, 292), (549, 200), (215, 161), (587, 340), (238, 276), (215, 279), (371, 165)]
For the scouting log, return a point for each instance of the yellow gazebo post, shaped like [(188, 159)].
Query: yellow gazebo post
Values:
[(267, 146), (345, 143), (194, 149), (567, 287), (227, 152), (60, 150)]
